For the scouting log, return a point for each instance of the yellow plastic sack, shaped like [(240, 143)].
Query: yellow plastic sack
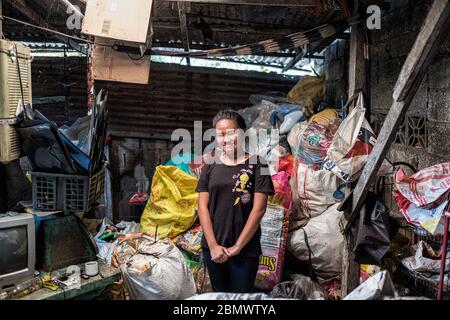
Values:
[(308, 92), (325, 117), (172, 204)]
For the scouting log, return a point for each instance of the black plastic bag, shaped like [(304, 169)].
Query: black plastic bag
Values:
[(48, 149), (373, 234)]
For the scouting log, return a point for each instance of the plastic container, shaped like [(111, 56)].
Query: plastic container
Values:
[(23, 289), (54, 192)]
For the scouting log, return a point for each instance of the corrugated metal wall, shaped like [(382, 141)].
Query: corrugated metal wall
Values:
[(178, 95), (175, 97), (56, 77)]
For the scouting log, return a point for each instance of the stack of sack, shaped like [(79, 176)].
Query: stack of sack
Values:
[(329, 156)]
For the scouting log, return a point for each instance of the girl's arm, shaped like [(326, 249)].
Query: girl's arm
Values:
[(218, 253), (252, 224)]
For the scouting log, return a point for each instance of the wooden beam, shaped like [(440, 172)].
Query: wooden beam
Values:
[(357, 61), (182, 8), (37, 19), (413, 65), (421, 55), (356, 83), (431, 36), (280, 3)]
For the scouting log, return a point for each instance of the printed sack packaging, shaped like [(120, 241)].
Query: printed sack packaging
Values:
[(274, 232)]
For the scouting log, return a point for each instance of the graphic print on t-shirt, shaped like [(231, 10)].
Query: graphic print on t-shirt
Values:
[(242, 182)]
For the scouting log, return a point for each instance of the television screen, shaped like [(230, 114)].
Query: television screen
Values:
[(13, 249)]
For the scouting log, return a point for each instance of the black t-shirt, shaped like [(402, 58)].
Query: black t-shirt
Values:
[(231, 193)]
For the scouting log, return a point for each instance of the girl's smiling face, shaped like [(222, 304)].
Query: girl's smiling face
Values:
[(227, 136)]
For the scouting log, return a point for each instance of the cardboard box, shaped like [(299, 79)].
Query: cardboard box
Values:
[(111, 65), (118, 19)]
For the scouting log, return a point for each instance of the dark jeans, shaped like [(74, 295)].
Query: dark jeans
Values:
[(238, 274)]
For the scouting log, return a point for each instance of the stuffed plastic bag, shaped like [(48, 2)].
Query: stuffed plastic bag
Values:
[(314, 191), (153, 269), (106, 248), (302, 288), (201, 278), (427, 187), (325, 117), (190, 241), (320, 243), (295, 135), (432, 220), (351, 145), (258, 116), (274, 231), (283, 194), (308, 92), (373, 237), (425, 260), (172, 206), (289, 121), (377, 287), (314, 143)]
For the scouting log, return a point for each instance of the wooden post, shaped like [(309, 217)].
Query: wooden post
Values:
[(431, 36), (182, 10), (1, 20), (356, 83)]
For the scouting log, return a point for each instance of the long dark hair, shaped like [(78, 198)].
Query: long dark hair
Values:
[(230, 115)]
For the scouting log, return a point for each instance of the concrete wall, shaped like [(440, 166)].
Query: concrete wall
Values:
[(424, 138)]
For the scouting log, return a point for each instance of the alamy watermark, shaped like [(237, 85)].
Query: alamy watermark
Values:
[(373, 20), (74, 20), (260, 144)]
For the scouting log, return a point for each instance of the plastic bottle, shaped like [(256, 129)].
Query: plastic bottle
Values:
[(25, 288)]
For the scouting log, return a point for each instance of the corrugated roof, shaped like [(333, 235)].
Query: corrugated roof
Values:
[(208, 24)]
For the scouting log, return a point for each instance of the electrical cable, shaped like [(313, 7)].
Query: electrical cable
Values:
[(54, 32), (20, 77)]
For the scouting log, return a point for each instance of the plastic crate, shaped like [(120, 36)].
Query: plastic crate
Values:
[(76, 193)]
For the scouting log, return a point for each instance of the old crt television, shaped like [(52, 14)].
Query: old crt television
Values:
[(17, 249)]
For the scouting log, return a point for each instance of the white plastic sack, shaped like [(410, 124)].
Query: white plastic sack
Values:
[(295, 135), (154, 269), (325, 241), (426, 187), (421, 262), (314, 191), (290, 120), (351, 145), (258, 115), (423, 198), (431, 220), (377, 287)]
